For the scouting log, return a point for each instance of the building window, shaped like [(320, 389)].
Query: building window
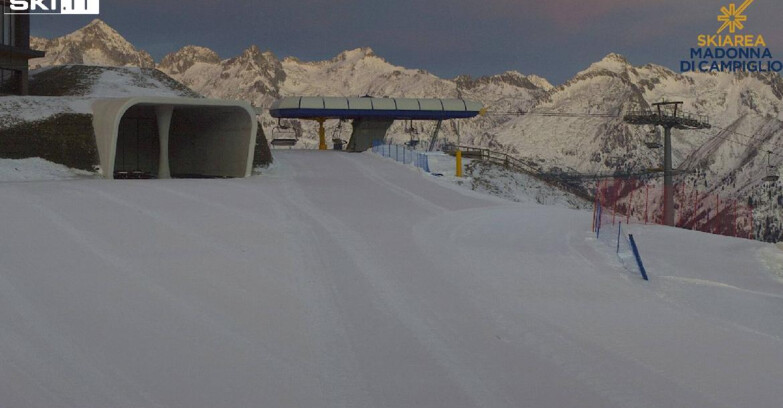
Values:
[(7, 27), (9, 82)]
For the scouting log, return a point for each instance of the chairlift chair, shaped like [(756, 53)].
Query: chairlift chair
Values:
[(337, 140), (283, 135), (414, 136), (772, 171), (653, 140)]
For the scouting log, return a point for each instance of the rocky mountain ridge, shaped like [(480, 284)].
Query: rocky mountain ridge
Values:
[(94, 44)]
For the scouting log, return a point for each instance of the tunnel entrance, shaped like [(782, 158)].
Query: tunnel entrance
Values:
[(160, 137), (138, 145)]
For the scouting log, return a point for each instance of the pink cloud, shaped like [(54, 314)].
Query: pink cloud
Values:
[(567, 15), (575, 13)]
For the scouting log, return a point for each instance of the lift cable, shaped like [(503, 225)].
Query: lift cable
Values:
[(608, 115), (726, 138), (553, 114)]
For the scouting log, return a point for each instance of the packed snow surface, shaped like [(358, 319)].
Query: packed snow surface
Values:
[(348, 280)]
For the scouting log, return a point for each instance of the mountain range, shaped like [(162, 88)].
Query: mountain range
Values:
[(576, 126)]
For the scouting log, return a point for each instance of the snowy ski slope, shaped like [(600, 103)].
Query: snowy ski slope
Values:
[(347, 280)]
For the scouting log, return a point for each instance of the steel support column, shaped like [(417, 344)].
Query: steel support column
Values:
[(163, 114), (668, 184)]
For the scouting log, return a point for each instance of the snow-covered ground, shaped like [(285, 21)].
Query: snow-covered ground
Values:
[(503, 183), (348, 280), (111, 83), (37, 169)]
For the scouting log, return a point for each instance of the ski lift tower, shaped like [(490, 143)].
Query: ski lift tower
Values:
[(668, 115)]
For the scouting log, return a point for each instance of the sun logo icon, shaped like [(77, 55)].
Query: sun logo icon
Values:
[(732, 17)]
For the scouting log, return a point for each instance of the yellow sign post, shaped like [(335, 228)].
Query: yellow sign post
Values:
[(458, 173), (459, 163), (321, 134)]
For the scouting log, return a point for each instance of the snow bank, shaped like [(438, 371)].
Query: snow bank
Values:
[(128, 82), (18, 109), (499, 182), (37, 169), (111, 83)]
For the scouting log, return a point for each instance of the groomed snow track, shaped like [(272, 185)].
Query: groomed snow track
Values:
[(347, 280)]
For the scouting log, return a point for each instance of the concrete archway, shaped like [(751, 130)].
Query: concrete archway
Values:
[(195, 137)]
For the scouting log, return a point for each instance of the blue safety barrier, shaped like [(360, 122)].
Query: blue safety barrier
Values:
[(402, 154), (624, 245)]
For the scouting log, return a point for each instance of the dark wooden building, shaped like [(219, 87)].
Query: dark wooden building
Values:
[(14, 51)]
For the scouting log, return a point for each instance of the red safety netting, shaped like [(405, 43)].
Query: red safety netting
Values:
[(634, 201)]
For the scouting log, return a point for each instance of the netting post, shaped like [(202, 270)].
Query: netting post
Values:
[(614, 203), (717, 214), (596, 201), (598, 222), (662, 220), (734, 224), (630, 205), (619, 232), (681, 207), (646, 201), (698, 204), (693, 207)]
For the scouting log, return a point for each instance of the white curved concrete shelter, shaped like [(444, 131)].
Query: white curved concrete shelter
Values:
[(175, 137)]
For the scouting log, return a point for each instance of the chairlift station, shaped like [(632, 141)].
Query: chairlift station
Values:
[(371, 117)]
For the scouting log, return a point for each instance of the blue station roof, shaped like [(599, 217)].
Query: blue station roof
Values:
[(314, 107)]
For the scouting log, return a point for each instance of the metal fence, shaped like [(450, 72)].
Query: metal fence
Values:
[(402, 154), (519, 165)]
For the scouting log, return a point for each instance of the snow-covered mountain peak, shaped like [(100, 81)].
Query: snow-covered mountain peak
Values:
[(615, 63), (180, 61), (94, 44), (540, 82), (356, 54), (98, 24), (260, 59), (348, 57), (614, 57), (509, 78)]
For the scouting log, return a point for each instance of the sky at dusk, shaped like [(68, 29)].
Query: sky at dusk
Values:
[(551, 38)]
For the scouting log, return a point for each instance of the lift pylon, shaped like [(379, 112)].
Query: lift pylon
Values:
[(667, 115)]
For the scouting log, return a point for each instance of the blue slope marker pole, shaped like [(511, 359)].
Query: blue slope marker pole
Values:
[(638, 258)]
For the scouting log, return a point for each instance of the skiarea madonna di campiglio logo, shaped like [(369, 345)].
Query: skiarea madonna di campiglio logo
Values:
[(731, 49)]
